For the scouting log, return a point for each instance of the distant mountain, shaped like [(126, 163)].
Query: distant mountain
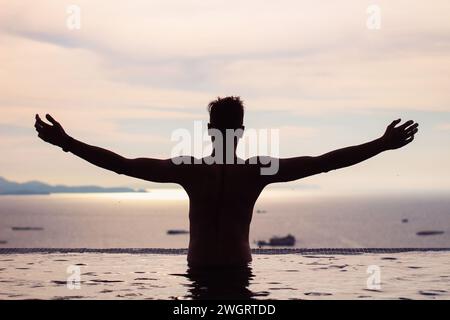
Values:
[(37, 187)]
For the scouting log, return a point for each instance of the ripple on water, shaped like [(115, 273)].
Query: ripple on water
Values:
[(318, 294), (105, 281), (430, 233), (274, 280), (432, 292)]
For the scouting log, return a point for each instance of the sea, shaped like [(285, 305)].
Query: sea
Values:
[(142, 220)]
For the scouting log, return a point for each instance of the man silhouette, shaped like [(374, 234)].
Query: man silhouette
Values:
[(222, 194)]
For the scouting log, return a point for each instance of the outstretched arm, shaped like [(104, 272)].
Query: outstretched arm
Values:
[(300, 167), (155, 170)]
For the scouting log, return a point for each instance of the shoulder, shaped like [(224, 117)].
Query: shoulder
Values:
[(261, 160)]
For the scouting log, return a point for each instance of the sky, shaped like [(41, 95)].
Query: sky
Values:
[(135, 71)]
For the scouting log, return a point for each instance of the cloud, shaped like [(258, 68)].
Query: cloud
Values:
[(137, 69), (294, 56)]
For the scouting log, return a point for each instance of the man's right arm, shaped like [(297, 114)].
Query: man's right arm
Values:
[(155, 170)]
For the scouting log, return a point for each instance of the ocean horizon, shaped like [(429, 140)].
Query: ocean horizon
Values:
[(315, 219)]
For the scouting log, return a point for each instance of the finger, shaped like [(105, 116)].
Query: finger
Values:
[(42, 131), (40, 122), (37, 123), (406, 124), (409, 140), (394, 123), (413, 130), (412, 127), (411, 134), (38, 126), (52, 121)]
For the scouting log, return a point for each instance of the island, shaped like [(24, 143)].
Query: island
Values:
[(38, 188)]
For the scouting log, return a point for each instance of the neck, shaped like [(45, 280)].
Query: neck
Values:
[(220, 153)]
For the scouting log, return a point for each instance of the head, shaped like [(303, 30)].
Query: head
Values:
[(226, 113)]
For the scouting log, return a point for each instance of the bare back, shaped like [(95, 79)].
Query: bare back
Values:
[(222, 198)]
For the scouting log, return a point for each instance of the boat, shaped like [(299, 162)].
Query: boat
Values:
[(288, 240), (177, 231)]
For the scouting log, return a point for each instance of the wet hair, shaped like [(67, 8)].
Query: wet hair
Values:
[(226, 113)]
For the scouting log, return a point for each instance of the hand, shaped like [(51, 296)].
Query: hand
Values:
[(53, 134), (397, 137)]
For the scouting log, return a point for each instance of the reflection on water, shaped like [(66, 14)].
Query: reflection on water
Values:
[(210, 283), (409, 275)]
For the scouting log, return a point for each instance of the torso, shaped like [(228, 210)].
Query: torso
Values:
[(222, 198)]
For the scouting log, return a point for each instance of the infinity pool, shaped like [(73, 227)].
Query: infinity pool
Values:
[(314, 275)]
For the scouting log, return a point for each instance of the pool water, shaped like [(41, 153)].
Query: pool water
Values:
[(401, 275)]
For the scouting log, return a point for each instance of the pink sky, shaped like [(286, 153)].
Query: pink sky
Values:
[(314, 68)]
